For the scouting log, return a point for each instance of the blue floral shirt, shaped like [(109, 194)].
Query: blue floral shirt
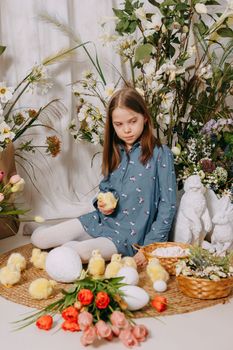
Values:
[(146, 201)]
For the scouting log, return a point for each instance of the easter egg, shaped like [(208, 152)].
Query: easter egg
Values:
[(130, 275), (135, 297), (160, 286), (63, 264)]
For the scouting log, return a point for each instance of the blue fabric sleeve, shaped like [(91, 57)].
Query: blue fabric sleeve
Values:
[(167, 198)]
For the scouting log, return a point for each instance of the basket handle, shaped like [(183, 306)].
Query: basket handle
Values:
[(137, 246)]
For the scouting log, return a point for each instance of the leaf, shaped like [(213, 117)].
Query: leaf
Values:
[(225, 32), (155, 3), (212, 2), (168, 3), (143, 51), (2, 49)]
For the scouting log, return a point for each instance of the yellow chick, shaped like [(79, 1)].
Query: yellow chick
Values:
[(9, 275), (156, 271), (129, 261), (108, 199), (18, 260), (96, 265), (41, 288), (38, 258), (114, 266)]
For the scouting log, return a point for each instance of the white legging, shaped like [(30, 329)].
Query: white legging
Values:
[(71, 233)]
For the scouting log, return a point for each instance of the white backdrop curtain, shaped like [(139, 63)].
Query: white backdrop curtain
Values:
[(69, 179)]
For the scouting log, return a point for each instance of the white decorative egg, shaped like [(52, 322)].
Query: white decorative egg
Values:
[(130, 275), (135, 297), (63, 264), (160, 286)]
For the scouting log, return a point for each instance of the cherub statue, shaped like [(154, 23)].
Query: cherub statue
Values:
[(193, 220)]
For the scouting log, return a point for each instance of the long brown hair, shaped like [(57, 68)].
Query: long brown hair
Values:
[(131, 99)]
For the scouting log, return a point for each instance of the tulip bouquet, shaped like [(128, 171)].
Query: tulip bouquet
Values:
[(94, 306), (7, 194)]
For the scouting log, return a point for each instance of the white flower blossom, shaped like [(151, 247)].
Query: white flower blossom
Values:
[(163, 120), (39, 79), (6, 92), (150, 27), (95, 138), (125, 46), (149, 68), (200, 8), (140, 13), (167, 100), (82, 113), (5, 132), (109, 90)]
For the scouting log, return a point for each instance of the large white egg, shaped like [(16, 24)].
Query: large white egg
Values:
[(160, 286), (130, 275), (63, 264), (135, 297)]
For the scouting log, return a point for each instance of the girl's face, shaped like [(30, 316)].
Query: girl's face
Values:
[(128, 125)]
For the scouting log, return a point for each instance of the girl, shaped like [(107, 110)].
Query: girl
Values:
[(139, 171)]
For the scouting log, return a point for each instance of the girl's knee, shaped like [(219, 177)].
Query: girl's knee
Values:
[(38, 238)]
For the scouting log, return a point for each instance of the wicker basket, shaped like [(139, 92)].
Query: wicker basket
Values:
[(200, 288), (169, 263)]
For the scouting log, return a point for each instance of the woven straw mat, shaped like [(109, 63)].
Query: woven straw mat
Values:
[(179, 303)]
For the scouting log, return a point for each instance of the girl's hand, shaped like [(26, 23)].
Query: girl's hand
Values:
[(140, 260), (101, 206)]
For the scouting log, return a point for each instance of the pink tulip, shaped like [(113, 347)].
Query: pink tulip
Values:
[(85, 320), (103, 329), (127, 337), (115, 330), (88, 336), (140, 332), (1, 197), (2, 174), (118, 319), (110, 337), (14, 179)]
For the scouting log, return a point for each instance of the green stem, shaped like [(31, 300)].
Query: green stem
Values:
[(97, 67), (132, 71), (17, 98)]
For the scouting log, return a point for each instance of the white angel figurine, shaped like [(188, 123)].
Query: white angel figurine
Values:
[(193, 220)]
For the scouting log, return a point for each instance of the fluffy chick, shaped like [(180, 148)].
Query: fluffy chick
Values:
[(96, 265), (114, 266), (9, 275), (38, 258), (156, 271), (41, 288), (108, 199), (18, 260), (129, 262)]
